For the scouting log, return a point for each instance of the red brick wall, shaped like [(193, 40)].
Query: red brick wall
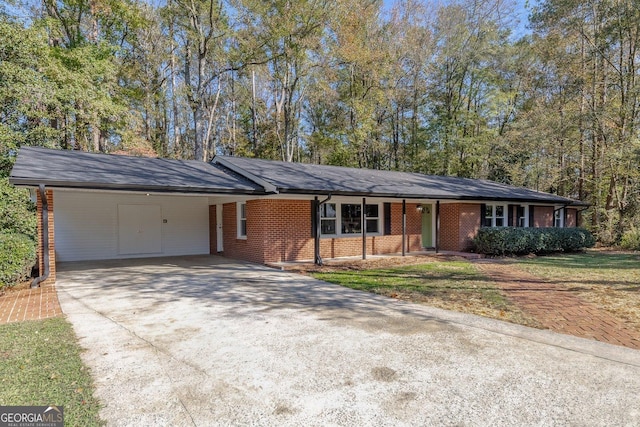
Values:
[(251, 248), (469, 225), (572, 218), (449, 227), (280, 230), (287, 229), (52, 246), (459, 223), (542, 216)]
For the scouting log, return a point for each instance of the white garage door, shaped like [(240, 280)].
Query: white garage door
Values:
[(139, 229), (105, 225)]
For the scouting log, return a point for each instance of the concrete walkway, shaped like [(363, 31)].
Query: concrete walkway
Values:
[(556, 309), (29, 304), (205, 341)]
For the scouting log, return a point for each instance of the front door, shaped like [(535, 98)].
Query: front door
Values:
[(427, 226), (219, 241)]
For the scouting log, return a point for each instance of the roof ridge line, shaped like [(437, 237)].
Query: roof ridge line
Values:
[(266, 185)]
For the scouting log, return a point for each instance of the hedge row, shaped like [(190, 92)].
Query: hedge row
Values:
[(631, 239), (17, 212), (17, 258), (523, 241)]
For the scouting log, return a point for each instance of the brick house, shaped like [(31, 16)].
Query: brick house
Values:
[(101, 206)]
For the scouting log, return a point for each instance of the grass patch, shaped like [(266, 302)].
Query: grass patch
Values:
[(589, 268), (610, 280), (41, 365), (452, 285)]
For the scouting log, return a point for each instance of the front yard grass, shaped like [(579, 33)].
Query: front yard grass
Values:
[(451, 285), (40, 365), (610, 280)]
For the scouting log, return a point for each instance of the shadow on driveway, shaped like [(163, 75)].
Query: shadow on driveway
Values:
[(210, 341)]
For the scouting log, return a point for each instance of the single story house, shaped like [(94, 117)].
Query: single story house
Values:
[(100, 206)]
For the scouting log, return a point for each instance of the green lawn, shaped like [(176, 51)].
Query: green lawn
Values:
[(452, 285), (592, 268), (609, 280), (40, 365)]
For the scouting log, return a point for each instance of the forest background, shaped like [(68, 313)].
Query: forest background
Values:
[(461, 87)]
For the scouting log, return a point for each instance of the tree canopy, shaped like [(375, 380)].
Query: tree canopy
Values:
[(451, 88)]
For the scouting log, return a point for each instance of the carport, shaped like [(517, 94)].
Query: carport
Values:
[(116, 207), (210, 341)]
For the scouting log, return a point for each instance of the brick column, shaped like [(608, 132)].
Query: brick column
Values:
[(52, 251)]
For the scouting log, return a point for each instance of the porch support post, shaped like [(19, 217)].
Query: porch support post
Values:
[(404, 226), (316, 232), (437, 225), (364, 228)]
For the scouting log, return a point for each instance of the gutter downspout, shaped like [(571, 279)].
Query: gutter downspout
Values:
[(45, 238), (364, 228), (404, 226), (437, 226), (316, 249)]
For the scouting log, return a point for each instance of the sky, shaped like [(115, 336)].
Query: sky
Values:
[(522, 10)]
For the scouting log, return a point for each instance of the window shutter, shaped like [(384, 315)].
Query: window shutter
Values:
[(564, 221), (387, 218), (531, 216), (483, 214), (510, 221)]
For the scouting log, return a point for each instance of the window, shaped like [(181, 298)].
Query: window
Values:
[(558, 217), (494, 215), (351, 218), (242, 220), (488, 216), (328, 218), (373, 218), (346, 219), (500, 211), (520, 217)]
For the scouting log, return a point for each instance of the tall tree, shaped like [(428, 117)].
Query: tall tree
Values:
[(598, 50), (202, 33)]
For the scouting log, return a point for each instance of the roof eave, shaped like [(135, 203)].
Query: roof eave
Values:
[(299, 191), (29, 182)]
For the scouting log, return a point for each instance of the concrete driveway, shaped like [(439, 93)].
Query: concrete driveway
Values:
[(208, 341)]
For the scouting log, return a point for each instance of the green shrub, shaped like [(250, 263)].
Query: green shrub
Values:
[(17, 212), (523, 241), (17, 258), (631, 240)]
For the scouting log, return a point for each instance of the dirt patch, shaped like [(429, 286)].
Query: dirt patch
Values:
[(382, 373), (472, 304), (8, 290)]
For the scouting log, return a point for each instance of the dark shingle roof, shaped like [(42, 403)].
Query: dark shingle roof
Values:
[(76, 169), (319, 179), (237, 175)]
